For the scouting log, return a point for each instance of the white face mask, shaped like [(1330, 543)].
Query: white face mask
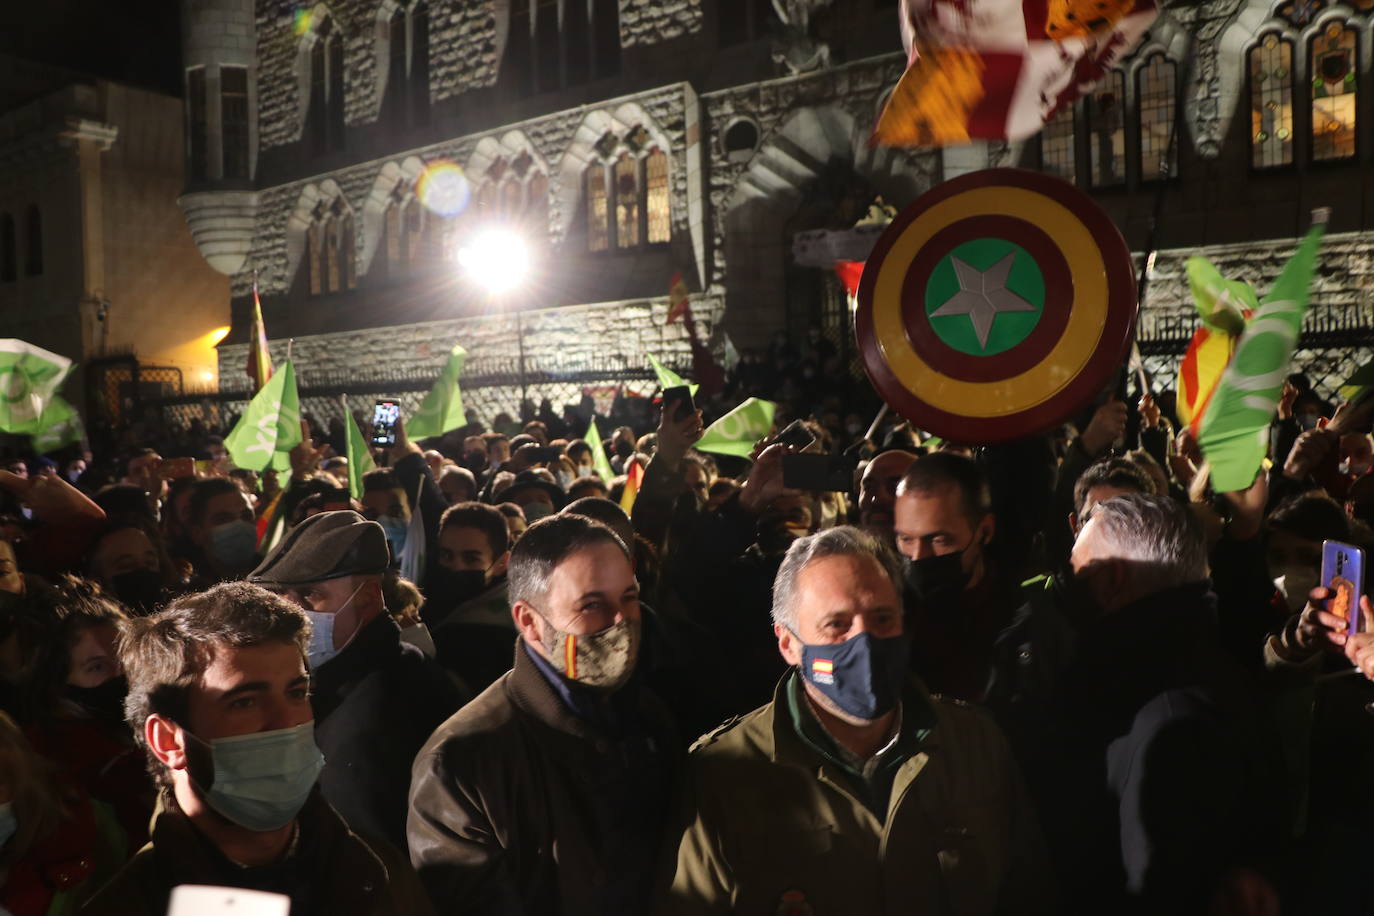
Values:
[(321, 648), (1294, 585)]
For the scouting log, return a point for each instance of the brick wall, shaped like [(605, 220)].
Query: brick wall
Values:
[(647, 22)]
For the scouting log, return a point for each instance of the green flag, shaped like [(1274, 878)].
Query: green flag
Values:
[(442, 408), (359, 456), (29, 379), (1360, 384), (738, 431), (59, 425), (667, 378), (271, 426), (1221, 303), (1234, 430), (600, 462)]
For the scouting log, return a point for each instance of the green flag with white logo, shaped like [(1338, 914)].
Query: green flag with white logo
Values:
[(271, 426), (58, 425), (1234, 430), (600, 462), (737, 432), (667, 378), (29, 379), (359, 456), (442, 408)]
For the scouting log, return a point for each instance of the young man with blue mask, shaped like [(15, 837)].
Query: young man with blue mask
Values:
[(223, 532), (376, 698), (220, 699), (854, 790)]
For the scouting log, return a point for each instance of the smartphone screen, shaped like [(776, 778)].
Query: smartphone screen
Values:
[(384, 417), (176, 468), (202, 900), (797, 435), (1343, 573)]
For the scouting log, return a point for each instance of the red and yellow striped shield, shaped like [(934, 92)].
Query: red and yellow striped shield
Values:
[(996, 306)]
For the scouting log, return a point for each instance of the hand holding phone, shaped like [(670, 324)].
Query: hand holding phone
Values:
[(796, 435), (1343, 574), (681, 396), (385, 413)]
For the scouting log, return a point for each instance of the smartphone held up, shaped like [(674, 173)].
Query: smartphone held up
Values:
[(385, 413), (1343, 574)]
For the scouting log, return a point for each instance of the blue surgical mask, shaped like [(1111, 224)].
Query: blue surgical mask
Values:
[(234, 544), (863, 675), (262, 780), (8, 822), (321, 648), (395, 529)]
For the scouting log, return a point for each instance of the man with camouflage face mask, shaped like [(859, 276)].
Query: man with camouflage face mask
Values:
[(565, 752)]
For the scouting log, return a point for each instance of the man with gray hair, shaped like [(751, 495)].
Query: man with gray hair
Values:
[(1158, 750), (854, 790), (547, 793)]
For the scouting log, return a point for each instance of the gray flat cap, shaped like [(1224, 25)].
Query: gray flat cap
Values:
[(330, 545)]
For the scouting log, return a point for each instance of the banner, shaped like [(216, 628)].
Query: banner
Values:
[(442, 408), (271, 426), (738, 431)]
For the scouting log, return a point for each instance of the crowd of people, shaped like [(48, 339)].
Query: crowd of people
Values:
[(1061, 675)]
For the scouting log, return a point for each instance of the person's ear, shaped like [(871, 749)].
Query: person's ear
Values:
[(498, 568), (374, 599), (165, 739), (528, 623), (789, 645), (1073, 524), (989, 525)]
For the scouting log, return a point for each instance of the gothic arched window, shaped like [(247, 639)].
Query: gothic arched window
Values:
[(1156, 105), (1271, 102), (1334, 65)]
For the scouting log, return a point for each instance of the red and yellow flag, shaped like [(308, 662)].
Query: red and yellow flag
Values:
[(259, 358), (633, 477), (679, 300)]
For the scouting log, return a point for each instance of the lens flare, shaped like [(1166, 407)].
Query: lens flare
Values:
[(497, 260), (301, 20), (443, 188)]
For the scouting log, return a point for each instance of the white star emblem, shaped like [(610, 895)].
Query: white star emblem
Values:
[(982, 296)]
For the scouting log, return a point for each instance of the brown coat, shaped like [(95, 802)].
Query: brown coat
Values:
[(518, 806), (345, 875)]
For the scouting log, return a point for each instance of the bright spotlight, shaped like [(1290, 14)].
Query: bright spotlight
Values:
[(497, 260)]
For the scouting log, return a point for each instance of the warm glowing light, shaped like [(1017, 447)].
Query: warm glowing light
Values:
[(444, 188), (218, 334), (207, 376), (497, 260)]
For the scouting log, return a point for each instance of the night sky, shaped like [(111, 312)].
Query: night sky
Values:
[(131, 41)]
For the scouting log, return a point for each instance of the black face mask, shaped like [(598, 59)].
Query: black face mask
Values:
[(104, 701), (446, 589), (140, 590), (936, 581)]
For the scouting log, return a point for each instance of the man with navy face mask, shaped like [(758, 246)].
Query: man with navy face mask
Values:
[(854, 791), (376, 698), (219, 697)]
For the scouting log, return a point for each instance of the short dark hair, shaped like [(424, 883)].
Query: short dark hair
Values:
[(380, 479), (1120, 473), (1312, 517), (576, 447), (206, 490), (591, 480), (510, 510), (546, 544), (166, 654), (600, 509), (930, 473), (487, 519)]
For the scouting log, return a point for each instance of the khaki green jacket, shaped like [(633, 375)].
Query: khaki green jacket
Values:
[(768, 826)]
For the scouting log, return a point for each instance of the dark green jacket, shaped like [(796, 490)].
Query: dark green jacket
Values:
[(766, 822)]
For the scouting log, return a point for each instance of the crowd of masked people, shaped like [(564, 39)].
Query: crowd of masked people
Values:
[(1060, 675)]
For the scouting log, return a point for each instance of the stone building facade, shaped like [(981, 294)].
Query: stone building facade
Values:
[(632, 140), (94, 252)]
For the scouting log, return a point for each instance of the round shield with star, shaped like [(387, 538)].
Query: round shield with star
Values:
[(996, 306)]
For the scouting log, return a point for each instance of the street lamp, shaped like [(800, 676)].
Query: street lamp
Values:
[(498, 260)]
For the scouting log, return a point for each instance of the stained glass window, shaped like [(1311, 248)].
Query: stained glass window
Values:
[(314, 256), (656, 202), (537, 207), (1056, 146), (1271, 102), (1106, 110), (331, 257), (626, 177), (1299, 13), (1156, 107), (598, 211), (1335, 72)]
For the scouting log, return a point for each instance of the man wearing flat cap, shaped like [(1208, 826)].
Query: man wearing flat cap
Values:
[(376, 699)]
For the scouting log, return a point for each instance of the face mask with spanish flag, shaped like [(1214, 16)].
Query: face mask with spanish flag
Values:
[(602, 660), (863, 676)]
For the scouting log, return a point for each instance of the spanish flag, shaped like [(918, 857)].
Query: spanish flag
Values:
[(679, 300), (633, 477), (259, 359)]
